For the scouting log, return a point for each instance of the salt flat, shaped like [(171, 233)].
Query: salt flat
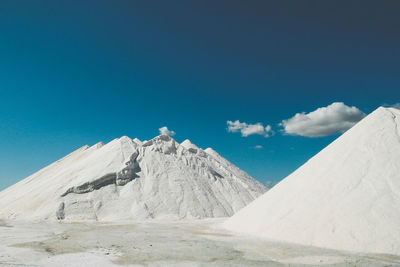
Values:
[(159, 243)]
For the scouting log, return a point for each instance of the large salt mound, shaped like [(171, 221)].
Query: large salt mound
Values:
[(132, 180), (346, 197)]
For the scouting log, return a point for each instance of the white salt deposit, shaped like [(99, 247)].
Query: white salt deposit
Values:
[(155, 243), (345, 197), (132, 180)]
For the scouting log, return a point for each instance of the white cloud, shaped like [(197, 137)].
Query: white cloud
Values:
[(249, 129), (258, 147), (164, 131), (335, 118)]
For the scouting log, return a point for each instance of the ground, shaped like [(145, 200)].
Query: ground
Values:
[(184, 243)]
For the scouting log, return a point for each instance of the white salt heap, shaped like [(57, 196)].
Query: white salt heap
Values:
[(130, 180), (345, 197)]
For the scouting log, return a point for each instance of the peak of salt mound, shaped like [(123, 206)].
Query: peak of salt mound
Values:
[(345, 197), (189, 145), (212, 152), (159, 139), (137, 141)]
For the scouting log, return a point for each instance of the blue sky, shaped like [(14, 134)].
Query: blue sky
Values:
[(78, 72)]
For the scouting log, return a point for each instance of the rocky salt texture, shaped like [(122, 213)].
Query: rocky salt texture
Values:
[(193, 243), (132, 180), (345, 197)]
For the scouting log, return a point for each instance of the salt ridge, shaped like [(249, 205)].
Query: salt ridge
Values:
[(132, 180)]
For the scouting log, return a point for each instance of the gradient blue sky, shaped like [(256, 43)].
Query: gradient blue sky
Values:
[(78, 72)]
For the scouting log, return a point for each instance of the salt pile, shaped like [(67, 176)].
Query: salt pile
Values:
[(130, 180), (345, 197)]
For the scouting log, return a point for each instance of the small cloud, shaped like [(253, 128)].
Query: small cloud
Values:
[(164, 131), (249, 129), (333, 119), (258, 147)]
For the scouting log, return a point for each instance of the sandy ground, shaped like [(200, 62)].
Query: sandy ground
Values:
[(184, 243)]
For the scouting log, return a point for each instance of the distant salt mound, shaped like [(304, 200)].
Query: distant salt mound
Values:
[(132, 180), (347, 197)]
